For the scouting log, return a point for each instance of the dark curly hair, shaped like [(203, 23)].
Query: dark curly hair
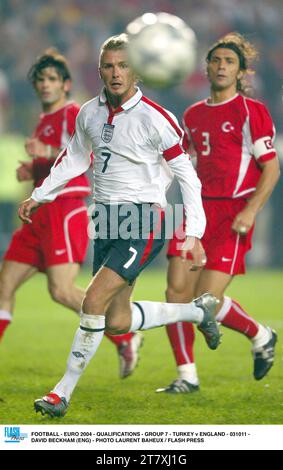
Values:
[(245, 51)]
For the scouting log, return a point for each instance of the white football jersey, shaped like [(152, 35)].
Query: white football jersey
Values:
[(130, 147)]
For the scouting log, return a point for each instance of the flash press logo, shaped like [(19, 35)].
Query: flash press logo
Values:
[(13, 434)]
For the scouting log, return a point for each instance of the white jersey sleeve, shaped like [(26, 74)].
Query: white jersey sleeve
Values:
[(190, 185), (71, 162)]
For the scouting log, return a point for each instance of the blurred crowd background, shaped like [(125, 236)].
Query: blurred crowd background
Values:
[(78, 28)]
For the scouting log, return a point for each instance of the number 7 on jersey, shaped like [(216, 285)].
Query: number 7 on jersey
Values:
[(107, 155)]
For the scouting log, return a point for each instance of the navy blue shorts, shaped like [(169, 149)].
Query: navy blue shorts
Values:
[(129, 237)]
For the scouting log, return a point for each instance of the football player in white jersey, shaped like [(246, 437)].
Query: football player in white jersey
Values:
[(131, 138), (232, 136), (35, 248)]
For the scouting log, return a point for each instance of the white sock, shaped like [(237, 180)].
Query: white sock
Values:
[(4, 315), (147, 315), (226, 306), (188, 372), (261, 338), (87, 339)]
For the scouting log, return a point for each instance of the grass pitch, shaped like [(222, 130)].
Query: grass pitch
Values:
[(35, 348)]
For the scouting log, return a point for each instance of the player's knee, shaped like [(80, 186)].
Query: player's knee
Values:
[(176, 293), (59, 294), (93, 304), (116, 326)]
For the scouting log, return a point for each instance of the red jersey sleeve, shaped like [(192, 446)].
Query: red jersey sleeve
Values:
[(72, 113), (262, 131), (41, 167), (187, 143), (186, 139)]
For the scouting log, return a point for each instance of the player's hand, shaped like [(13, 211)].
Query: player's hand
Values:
[(24, 171), (35, 148), (194, 246), (244, 221), (26, 208)]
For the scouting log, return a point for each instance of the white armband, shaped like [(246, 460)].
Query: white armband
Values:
[(263, 146)]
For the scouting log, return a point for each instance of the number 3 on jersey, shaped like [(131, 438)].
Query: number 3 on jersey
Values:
[(107, 156), (206, 143)]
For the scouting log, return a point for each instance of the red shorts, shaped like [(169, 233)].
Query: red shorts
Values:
[(57, 235), (225, 249)]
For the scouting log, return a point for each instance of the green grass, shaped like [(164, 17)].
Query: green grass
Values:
[(35, 348)]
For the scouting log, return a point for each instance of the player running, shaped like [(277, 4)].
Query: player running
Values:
[(57, 240), (132, 138), (232, 137)]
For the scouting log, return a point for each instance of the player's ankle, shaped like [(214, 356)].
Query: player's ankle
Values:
[(188, 372), (5, 320)]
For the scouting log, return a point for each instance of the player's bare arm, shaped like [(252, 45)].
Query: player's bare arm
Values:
[(194, 246), (26, 208), (24, 171), (35, 148), (269, 177)]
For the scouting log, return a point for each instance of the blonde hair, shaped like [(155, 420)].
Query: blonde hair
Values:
[(114, 43)]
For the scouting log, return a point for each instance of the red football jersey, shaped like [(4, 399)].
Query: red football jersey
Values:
[(229, 138), (55, 129)]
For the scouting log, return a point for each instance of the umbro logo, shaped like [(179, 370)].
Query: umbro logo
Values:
[(77, 354)]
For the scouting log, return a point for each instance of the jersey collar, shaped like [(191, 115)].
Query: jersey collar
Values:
[(68, 103), (128, 104), (223, 102)]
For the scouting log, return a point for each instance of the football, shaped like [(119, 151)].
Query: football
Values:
[(162, 49)]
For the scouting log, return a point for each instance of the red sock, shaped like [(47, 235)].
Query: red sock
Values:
[(118, 339), (234, 317), (3, 326), (182, 336)]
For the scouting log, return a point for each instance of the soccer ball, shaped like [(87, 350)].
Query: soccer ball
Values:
[(162, 49)]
